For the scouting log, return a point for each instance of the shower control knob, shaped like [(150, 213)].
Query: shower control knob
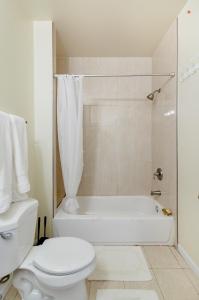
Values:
[(158, 174)]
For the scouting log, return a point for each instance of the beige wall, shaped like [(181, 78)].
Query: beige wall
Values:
[(16, 68), (43, 117), (188, 131), (117, 126), (164, 119), (16, 96)]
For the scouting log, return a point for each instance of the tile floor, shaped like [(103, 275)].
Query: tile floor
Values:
[(172, 278)]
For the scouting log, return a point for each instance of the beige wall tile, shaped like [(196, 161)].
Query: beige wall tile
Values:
[(117, 126), (117, 150), (125, 140), (164, 119), (112, 87)]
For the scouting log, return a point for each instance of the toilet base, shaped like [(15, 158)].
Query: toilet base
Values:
[(30, 289)]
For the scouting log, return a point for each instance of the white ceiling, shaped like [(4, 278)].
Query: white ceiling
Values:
[(107, 27)]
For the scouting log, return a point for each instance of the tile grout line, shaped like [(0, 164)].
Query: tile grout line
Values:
[(193, 285), (153, 273), (145, 256), (168, 268), (17, 297), (174, 256), (173, 253), (156, 280)]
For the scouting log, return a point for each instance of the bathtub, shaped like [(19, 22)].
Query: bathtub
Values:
[(130, 220)]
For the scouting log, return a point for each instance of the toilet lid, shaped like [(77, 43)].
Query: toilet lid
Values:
[(64, 255)]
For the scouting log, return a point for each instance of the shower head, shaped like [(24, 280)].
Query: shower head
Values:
[(152, 95)]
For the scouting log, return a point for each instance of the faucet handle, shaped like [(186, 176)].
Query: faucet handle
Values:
[(158, 174)]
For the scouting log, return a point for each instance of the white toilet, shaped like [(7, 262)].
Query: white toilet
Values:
[(55, 270)]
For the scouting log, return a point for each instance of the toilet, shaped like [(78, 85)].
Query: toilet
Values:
[(55, 270)]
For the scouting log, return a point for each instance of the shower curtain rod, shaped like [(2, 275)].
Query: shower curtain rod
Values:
[(171, 75)]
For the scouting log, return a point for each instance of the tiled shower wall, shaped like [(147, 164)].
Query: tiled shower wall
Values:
[(164, 120), (117, 126)]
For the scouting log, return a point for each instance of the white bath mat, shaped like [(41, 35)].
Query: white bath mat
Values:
[(120, 263), (126, 295)]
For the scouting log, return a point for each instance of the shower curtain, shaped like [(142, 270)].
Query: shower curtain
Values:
[(70, 136)]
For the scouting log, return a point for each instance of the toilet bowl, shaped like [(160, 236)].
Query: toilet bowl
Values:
[(56, 269)]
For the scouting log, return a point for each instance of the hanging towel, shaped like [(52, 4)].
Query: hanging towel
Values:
[(14, 182), (21, 183), (6, 162)]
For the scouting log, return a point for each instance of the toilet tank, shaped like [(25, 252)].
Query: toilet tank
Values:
[(17, 231)]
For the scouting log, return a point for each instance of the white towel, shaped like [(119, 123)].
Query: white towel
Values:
[(21, 183), (6, 162), (14, 182)]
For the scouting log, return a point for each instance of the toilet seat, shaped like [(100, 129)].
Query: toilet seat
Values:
[(63, 256), (53, 280)]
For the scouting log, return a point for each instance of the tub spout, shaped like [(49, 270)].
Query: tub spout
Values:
[(156, 193)]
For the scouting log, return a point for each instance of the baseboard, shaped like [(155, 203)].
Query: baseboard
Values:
[(194, 267)]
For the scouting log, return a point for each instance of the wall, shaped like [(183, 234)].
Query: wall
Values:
[(164, 119), (16, 71), (188, 132), (17, 93), (117, 126), (43, 117)]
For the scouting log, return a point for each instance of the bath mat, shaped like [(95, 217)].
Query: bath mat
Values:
[(120, 263), (126, 295)]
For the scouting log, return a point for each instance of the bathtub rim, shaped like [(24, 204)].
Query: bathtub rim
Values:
[(61, 214)]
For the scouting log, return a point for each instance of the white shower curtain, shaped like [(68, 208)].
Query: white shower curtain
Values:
[(70, 136)]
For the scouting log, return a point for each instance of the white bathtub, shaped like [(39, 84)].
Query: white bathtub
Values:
[(130, 220)]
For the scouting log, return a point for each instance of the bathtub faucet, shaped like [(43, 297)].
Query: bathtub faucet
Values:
[(156, 193)]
